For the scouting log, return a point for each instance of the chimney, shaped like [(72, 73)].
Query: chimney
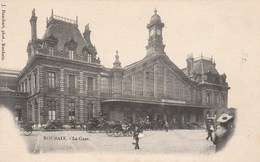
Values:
[(86, 34), (189, 61), (33, 22)]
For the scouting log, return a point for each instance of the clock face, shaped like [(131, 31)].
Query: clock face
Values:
[(158, 32), (151, 32)]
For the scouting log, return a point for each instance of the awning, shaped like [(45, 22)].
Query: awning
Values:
[(158, 102)]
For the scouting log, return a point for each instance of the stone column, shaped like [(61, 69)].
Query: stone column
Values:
[(62, 109), (81, 104), (98, 108), (62, 80), (40, 78), (28, 85), (33, 111), (40, 108), (81, 82), (98, 84), (32, 83)]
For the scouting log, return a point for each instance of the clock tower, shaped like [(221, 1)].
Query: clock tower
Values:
[(155, 42)]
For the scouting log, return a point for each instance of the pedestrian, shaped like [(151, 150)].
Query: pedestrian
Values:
[(166, 126), (210, 131), (135, 137), (223, 132)]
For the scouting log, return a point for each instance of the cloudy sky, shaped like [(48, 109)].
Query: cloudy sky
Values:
[(225, 30)]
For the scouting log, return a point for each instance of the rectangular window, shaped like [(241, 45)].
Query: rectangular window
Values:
[(71, 54), (18, 113), (51, 79), (90, 84), (25, 86), (223, 99), (104, 85), (216, 98), (208, 98), (71, 111), (29, 86), (89, 58), (52, 110), (51, 51), (72, 82)]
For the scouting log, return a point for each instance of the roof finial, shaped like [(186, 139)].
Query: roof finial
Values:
[(155, 11), (117, 56), (117, 63), (87, 27), (51, 12), (77, 20)]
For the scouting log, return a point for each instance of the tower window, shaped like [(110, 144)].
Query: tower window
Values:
[(89, 58), (71, 54), (51, 51)]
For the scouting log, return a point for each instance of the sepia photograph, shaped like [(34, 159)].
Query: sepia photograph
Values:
[(130, 80)]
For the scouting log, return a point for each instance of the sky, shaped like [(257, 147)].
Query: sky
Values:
[(224, 30)]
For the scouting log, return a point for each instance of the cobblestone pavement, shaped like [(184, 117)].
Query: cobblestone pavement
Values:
[(174, 141)]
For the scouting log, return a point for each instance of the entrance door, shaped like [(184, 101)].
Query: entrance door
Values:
[(90, 111)]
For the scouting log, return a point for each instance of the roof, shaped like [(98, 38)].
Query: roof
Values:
[(155, 17), (202, 66), (65, 32), (9, 72), (166, 59)]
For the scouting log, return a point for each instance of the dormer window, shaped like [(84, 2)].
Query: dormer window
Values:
[(71, 54), (51, 51), (89, 58)]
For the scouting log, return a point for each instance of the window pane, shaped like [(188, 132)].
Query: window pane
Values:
[(90, 84), (72, 81)]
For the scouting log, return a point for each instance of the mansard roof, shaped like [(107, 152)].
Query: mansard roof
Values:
[(203, 65), (65, 31)]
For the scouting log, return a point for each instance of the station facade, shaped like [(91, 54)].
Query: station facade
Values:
[(63, 80)]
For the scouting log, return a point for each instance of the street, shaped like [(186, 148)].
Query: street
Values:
[(172, 142)]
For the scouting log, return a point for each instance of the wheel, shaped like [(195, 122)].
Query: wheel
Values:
[(117, 133), (125, 132), (130, 133), (27, 131), (109, 132)]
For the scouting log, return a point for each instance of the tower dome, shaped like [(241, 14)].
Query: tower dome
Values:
[(155, 17)]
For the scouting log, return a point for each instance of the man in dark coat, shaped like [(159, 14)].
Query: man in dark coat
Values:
[(136, 133)]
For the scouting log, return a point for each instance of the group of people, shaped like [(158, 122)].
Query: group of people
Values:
[(219, 135), (223, 131)]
